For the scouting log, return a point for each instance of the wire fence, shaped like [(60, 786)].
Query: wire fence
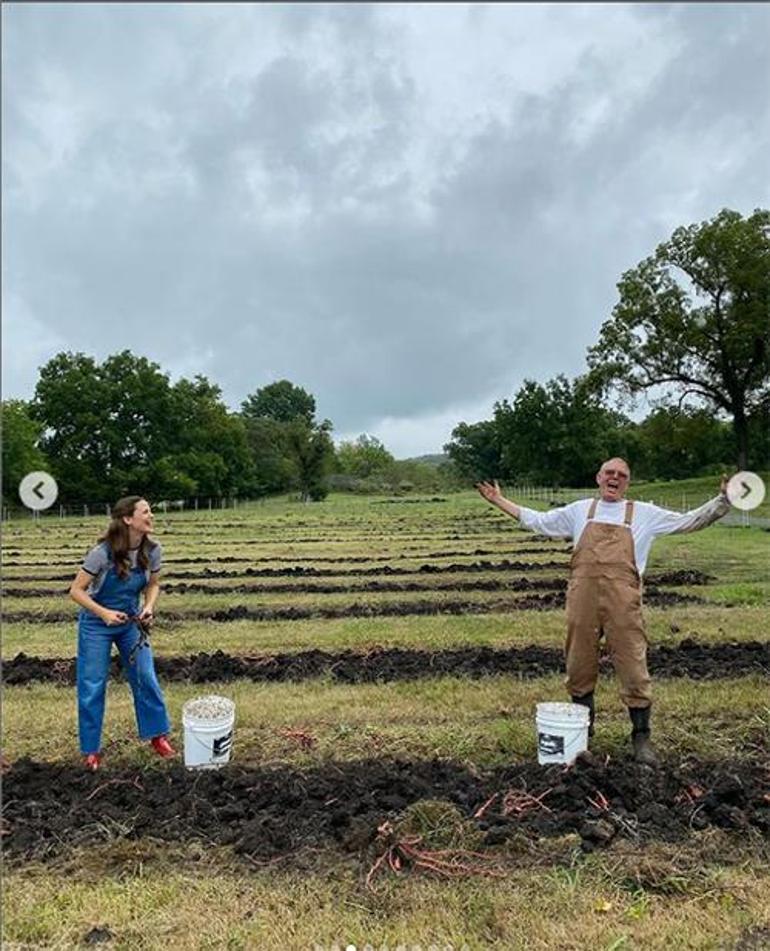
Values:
[(521, 493), (88, 509)]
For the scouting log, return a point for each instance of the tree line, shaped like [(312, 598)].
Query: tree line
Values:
[(691, 328), (552, 434), (121, 427)]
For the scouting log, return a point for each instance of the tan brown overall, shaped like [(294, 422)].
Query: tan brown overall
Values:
[(604, 596)]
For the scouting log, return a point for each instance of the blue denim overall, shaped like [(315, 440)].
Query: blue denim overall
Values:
[(95, 640)]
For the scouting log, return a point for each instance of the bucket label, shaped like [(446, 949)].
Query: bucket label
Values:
[(221, 745), (550, 744)]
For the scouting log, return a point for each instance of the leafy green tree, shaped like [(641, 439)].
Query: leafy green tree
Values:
[(694, 318), (312, 451), (210, 444), (365, 457), (556, 433), (273, 469), (289, 448), (281, 401), (119, 427), (103, 423), (474, 450), (169, 480), (677, 443), (20, 437)]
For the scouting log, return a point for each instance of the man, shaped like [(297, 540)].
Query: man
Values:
[(612, 539)]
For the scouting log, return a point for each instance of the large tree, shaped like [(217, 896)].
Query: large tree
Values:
[(553, 433), (474, 450), (674, 443), (290, 449), (693, 321), (312, 452), (102, 422), (120, 427), (557, 433), (273, 468), (281, 401), (209, 443), (20, 436)]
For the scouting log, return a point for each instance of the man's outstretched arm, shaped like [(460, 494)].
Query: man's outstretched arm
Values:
[(675, 523), (491, 492), (554, 524)]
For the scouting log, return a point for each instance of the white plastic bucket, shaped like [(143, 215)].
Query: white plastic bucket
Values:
[(208, 731), (562, 731)]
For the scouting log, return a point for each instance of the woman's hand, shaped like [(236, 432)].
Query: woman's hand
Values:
[(147, 616), (111, 618), (490, 491)]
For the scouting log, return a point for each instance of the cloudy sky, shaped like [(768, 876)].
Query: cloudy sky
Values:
[(405, 209)]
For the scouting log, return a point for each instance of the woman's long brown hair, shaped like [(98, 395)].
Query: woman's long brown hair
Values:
[(118, 538)]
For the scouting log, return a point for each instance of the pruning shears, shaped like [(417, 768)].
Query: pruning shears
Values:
[(143, 639)]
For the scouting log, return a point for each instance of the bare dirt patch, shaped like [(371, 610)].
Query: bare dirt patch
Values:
[(687, 659), (268, 812)]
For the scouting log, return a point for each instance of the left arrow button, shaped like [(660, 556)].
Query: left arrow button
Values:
[(38, 490)]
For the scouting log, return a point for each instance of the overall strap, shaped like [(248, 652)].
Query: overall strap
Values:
[(592, 509), (629, 513)]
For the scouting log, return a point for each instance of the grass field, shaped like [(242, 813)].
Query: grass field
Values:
[(111, 876)]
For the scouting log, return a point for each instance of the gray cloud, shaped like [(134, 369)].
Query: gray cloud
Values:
[(405, 210)]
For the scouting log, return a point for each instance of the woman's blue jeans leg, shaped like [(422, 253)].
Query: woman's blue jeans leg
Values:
[(149, 705), (93, 670)]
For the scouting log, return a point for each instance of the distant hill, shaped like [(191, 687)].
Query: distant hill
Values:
[(435, 459)]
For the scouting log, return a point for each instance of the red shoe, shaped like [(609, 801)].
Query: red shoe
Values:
[(93, 761), (162, 747)]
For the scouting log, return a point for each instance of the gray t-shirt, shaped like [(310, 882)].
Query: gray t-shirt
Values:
[(99, 559)]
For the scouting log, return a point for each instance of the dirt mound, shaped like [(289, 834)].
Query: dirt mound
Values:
[(309, 571), (412, 552), (485, 584), (265, 812), (684, 576), (688, 659), (242, 612)]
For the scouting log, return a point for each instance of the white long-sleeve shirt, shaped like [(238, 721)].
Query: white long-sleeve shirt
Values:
[(649, 521)]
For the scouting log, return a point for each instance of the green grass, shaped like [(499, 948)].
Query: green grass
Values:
[(705, 623), (194, 898), (488, 721)]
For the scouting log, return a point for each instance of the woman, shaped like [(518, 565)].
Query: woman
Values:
[(125, 563)]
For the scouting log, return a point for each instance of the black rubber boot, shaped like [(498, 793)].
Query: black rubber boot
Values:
[(587, 700), (640, 735)]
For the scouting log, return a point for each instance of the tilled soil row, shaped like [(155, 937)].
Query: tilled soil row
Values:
[(289, 534), (10, 559), (486, 584), (241, 612), (267, 812), (687, 659), (323, 560)]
